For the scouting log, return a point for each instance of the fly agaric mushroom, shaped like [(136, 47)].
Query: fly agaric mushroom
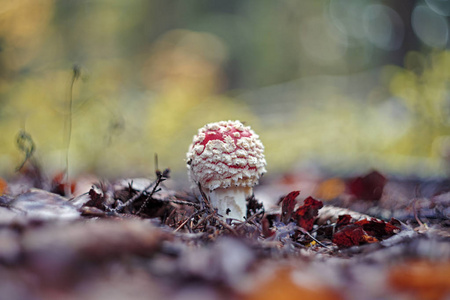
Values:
[(226, 159)]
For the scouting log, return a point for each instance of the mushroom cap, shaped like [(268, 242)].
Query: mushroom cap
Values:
[(226, 154)]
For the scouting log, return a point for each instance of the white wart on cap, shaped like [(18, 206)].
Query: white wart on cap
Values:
[(227, 159)]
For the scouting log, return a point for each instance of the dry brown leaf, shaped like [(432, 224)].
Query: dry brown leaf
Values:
[(423, 279), (330, 189), (282, 287)]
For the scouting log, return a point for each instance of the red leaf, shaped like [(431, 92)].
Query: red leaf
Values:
[(378, 228), (343, 220), (351, 235), (288, 205), (361, 232), (266, 230), (307, 213), (368, 187)]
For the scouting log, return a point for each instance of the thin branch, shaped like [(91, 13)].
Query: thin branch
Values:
[(308, 234), (160, 179), (120, 207), (75, 76), (225, 225), (156, 161), (415, 210), (187, 220), (205, 198), (203, 220), (251, 221), (181, 202)]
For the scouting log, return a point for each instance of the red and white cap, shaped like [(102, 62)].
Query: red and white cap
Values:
[(226, 154)]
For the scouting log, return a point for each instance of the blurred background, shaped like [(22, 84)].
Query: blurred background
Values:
[(341, 86)]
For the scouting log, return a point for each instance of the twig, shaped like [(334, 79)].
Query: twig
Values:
[(160, 178), (120, 207), (308, 234), (225, 225), (251, 221), (187, 220), (202, 221), (415, 210), (205, 198), (182, 202), (183, 223), (253, 217), (156, 161), (75, 76)]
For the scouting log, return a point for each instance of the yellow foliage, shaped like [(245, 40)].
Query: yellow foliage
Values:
[(151, 96), (22, 26), (423, 87)]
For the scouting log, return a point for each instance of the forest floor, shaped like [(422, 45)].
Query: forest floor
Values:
[(366, 237)]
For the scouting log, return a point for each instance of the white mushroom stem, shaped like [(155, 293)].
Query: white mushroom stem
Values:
[(231, 202)]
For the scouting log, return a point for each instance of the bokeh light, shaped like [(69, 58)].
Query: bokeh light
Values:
[(383, 27), (431, 28), (340, 85), (441, 7)]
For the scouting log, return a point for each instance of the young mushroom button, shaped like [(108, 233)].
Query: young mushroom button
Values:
[(227, 159)]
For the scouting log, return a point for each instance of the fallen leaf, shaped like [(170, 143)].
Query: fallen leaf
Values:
[(288, 205), (350, 235), (361, 232), (367, 187), (422, 279), (281, 286), (97, 199), (266, 230), (343, 220), (41, 205), (55, 251), (378, 228), (330, 189), (308, 212)]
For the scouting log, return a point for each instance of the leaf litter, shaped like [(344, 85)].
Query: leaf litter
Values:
[(137, 239)]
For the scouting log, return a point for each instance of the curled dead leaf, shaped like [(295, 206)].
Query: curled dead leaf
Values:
[(288, 205), (367, 187), (308, 212)]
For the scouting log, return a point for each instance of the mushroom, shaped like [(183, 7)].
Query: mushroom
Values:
[(226, 160)]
